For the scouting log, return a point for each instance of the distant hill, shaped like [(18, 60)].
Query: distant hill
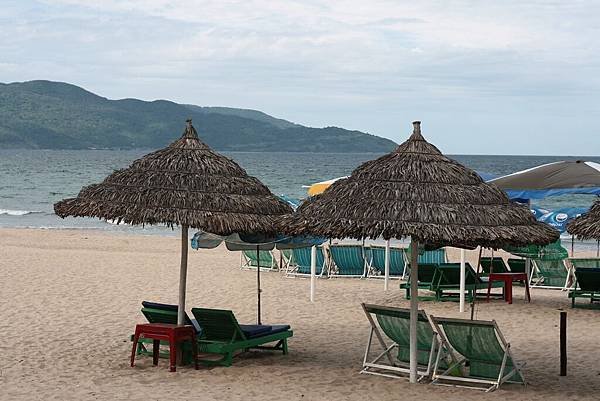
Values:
[(56, 115)]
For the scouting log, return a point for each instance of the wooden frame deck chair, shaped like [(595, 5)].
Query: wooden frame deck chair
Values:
[(587, 285), (484, 355), (427, 274), (287, 258), (394, 358), (495, 265), (376, 262), (552, 274), (301, 265), (446, 283), (349, 260), (222, 336), (267, 260)]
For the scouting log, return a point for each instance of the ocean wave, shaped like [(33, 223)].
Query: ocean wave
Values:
[(11, 212)]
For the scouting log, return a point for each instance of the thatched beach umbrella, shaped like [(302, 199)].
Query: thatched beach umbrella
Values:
[(587, 226), (416, 191), (185, 184)]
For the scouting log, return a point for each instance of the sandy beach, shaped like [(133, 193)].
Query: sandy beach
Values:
[(71, 298)]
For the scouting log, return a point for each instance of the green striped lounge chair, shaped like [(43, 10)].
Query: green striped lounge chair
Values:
[(517, 265), (250, 260), (551, 274), (587, 285), (376, 264), (349, 260), (446, 283), (301, 262), (483, 355), (390, 330), (426, 275), (436, 256), (489, 265)]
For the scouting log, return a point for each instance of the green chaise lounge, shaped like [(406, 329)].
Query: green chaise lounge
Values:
[(587, 285), (495, 265), (266, 258), (223, 337), (393, 359), (485, 357), (349, 259), (552, 274), (426, 275), (446, 282)]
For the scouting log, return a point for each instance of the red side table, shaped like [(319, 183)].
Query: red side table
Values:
[(167, 332), (508, 279)]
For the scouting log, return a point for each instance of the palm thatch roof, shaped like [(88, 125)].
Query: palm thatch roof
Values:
[(185, 183), (417, 191), (587, 226)]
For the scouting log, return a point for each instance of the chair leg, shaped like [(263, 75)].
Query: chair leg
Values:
[(195, 352), (172, 352), (285, 346), (136, 338), (155, 351)]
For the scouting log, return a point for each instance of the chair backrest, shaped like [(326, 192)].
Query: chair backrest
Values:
[(397, 259), (265, 257), (350, 259), (162, 313), (588, 278), (495, 265), (395, 323), (302, 259), (449, 274), (436, 256), (218, 325), (551, 267), (516, 265), (579, 263), (479, 341), (427, 273)]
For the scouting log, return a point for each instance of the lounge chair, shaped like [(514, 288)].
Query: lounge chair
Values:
[(484, 355), (394, 359), (249, 260), (301, 258), (553, 274), (377, 260), (446, 283), (349, 259), (258, 334), (436, 256), (587, 285), (585, 262), (287, 258), (222, 336), (517, 265), (426, 275), (495, 265)]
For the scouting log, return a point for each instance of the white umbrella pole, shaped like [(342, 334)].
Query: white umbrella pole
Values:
[(313, 272), (462, 280), (182, 275), (414, 308), (387, 265)]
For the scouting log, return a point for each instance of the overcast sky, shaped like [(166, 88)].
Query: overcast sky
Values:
[(485, 77)]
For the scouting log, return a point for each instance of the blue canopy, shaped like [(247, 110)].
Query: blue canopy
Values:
[(561, 217)]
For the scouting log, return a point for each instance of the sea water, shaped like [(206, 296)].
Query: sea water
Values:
[(31, 181)]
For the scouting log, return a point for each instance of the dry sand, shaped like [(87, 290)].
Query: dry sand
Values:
[(70, 300)]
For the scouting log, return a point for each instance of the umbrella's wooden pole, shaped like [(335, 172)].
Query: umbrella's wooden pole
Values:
[(462, 280), (414, 307), (182, 275), (387, 265), (258, 290)]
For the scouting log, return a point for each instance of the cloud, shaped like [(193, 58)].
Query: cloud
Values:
[(319, 62)]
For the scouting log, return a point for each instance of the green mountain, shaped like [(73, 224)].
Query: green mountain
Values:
[(56, 115)]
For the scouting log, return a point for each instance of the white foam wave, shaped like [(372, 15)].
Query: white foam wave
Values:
[(11, 212)]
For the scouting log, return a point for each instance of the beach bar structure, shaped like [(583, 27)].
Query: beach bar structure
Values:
[(417, 192), (188, 185)]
